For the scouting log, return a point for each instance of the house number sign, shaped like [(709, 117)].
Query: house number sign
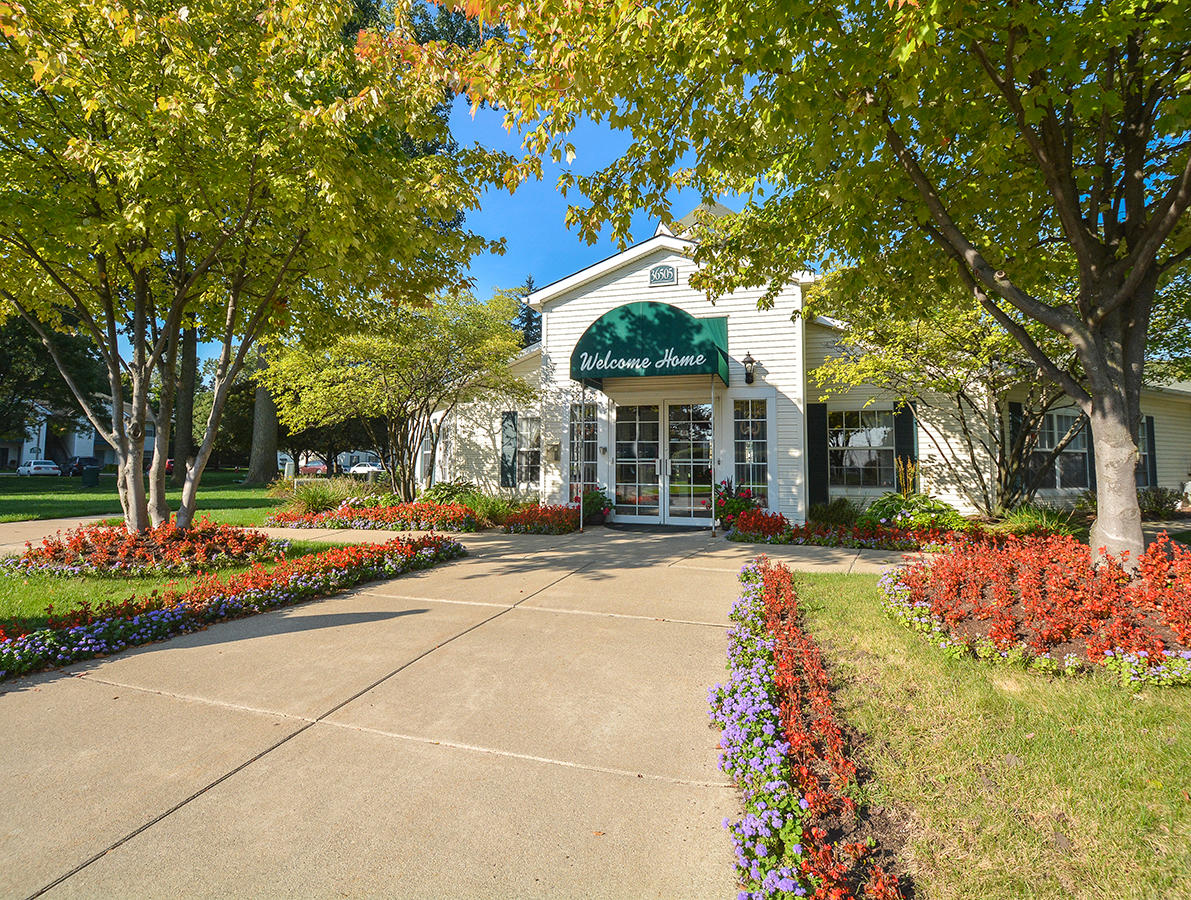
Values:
[(663, 275)]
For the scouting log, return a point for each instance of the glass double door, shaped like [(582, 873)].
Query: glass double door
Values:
[(663, 462)]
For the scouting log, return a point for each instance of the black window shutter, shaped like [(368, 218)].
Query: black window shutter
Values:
[(508, 449), (905, 433), (1091, 445), (905, 436), (816, 453), (1153, 457), (1016, 415)]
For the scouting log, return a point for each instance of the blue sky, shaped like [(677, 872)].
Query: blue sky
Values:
[(532, 220)]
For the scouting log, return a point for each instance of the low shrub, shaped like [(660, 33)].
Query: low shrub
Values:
[(97, 549), (1036, 518), (802, 832), (450, 492), (87, 632), (1044, 602), (553, 519), (398, 517), (1159, 502), (1156, 503), (840, 511), (915, 511)]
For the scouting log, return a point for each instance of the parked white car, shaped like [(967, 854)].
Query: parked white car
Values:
[(366, 468), (39, 467)]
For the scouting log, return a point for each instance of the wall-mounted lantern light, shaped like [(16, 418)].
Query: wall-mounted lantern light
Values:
[(750, 365)]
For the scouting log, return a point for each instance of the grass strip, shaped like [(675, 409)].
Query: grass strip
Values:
[(1016, 784), (108, 630)]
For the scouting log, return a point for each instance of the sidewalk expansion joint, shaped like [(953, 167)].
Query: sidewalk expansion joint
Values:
[(678, 563), (207, 701), (552, 609), (374, 593), (307, 725), (529, 757), (612, 615)]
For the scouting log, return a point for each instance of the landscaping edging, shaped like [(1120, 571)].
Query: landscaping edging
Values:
[(141, 621), (783, 747)]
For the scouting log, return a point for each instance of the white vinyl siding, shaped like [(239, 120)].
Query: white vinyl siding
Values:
[(1172, 437), (769, 335)]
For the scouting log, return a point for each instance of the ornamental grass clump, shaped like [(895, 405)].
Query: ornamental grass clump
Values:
[(101, 630), (113, 550), (800, 834), (1044, 602), (359, 513)]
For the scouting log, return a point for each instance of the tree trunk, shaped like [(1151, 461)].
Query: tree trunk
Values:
[(262, 464), (184, 406), (1117, 529), (194, 472)]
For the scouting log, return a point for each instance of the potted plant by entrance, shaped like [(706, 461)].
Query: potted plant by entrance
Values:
[(731, 502), (597, 506)]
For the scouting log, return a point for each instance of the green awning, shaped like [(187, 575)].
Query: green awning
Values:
[(651, 339)]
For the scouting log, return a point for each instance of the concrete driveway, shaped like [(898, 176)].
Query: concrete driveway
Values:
[(527, 722)]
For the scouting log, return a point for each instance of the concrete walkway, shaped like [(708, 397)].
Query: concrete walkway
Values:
[(527, 722)]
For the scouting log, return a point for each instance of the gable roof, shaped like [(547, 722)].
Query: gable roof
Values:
[(624, 258)]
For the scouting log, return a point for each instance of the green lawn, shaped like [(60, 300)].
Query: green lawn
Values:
[(221, 498), (1183, 537), (1011, 784), (23, 600)]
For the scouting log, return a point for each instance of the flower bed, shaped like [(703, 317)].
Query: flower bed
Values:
[(398, 517), (556, 519), (166, 549), (785, 748), (1041, 602), (759, 526), (102, 630)]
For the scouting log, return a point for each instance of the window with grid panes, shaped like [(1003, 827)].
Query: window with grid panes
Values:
[(584, 441), (1143, 454), (750, 439), (1070, 468), (529, 451), (860, 448), (426, 469)]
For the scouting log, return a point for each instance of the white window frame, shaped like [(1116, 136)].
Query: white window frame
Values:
[(1143, 455), (577, 461), (890, 447), (528, 454), (1050, 433)]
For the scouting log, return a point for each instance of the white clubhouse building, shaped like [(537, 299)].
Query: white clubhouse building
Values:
[(644, 391)]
